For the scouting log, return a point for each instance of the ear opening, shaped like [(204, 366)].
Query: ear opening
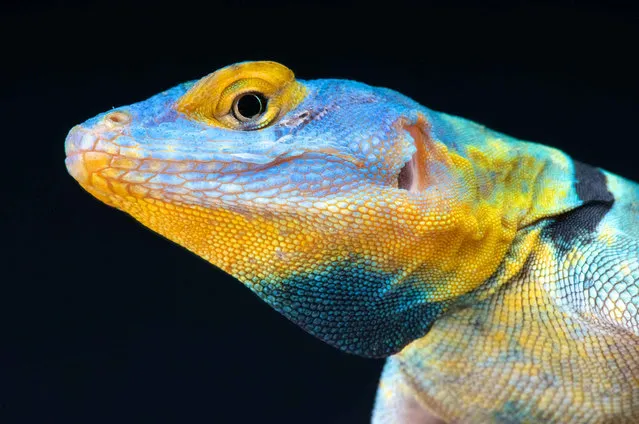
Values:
[(413, 177)]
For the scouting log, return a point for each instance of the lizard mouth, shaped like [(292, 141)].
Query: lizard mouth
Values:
[(413, 175), (109, 173), (328, 153)]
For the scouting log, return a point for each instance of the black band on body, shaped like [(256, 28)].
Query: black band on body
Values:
[(591, 184), (592, 188)]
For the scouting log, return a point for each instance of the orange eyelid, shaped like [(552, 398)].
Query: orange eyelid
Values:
[(210, 99)]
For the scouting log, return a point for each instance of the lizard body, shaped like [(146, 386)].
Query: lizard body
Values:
[(499, 276)]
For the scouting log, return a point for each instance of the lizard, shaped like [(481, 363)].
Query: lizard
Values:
[(499, 277)]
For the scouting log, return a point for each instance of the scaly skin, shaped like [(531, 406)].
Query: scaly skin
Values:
[(499, 276)]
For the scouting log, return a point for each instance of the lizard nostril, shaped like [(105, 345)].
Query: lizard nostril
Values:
[(117, 118)]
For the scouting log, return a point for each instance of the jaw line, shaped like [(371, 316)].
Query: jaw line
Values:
[(77, 168), (329, 153)]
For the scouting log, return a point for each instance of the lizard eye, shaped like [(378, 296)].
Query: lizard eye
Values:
[(246, 96), (249, 106)]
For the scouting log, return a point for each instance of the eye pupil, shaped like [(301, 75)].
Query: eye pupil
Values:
[(249, 106)]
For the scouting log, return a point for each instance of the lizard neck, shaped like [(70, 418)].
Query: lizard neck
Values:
[(526, 181), (514, 189), (497, 190)]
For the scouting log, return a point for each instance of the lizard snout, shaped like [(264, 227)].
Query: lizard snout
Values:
[(83, 159), (90, 149), (78, 143)]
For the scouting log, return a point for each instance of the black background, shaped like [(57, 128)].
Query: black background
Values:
[(109, 322)]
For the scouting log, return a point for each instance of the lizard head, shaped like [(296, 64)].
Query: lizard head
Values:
[(332, 200)]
